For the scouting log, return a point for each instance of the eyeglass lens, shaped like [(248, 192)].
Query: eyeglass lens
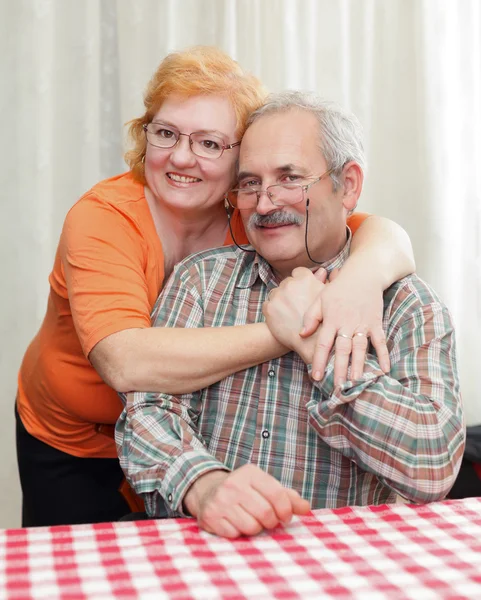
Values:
[(203, 144), (279, 195)]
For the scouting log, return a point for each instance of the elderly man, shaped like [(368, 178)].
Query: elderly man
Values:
[(271, 441)]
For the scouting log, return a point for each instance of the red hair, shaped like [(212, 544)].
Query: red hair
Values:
[(201, 70)]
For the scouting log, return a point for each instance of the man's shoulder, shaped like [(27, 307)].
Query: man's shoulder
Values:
[(411, 295)]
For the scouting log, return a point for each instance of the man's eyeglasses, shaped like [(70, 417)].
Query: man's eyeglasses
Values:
[(280, 194), (202, 143)]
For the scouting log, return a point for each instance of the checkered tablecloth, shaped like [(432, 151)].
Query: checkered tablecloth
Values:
[(397, 551)]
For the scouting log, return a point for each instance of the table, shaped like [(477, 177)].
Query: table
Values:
[(393, 552)]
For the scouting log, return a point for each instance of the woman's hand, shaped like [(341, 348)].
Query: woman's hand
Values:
[(348, 306), (286, 306)]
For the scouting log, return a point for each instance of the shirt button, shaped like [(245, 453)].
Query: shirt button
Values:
[(169, 497), (265, 434), (271, 372)]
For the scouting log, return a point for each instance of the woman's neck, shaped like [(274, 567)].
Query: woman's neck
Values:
[(184, 232)]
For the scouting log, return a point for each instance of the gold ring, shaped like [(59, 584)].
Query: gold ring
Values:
[(348, 337), (360, 333)]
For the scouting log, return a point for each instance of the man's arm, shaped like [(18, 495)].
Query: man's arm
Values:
[(159, 446), (406, 427), (160, 449), (166, 460)]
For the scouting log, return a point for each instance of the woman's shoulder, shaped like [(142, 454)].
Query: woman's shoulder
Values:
[(355, 220), (118, 199), (121, 191), (111, 208)]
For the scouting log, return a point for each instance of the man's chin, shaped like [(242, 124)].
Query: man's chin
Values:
[(278, 253)]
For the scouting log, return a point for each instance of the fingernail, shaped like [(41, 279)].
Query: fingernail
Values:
[(317, 376), (302, 331)]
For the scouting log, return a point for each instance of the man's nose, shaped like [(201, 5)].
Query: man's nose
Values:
[(264, 203), (181, 153)]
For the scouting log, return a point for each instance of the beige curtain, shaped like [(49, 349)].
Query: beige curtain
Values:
[(73, 73)]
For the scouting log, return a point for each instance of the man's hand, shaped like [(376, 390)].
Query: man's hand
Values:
[(243, 502), (285, 309)]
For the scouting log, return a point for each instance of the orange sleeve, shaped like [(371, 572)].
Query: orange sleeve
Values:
[(103, 255), (237, 229), (355, 220)]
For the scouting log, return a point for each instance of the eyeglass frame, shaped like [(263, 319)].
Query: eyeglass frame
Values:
[(258, 193), (223, 147)]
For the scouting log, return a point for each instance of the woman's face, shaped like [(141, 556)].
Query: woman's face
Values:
[(178, 177)]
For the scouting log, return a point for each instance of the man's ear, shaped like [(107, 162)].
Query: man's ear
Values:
[(352, 180)]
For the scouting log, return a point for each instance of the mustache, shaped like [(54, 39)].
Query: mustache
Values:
[(275, 218)]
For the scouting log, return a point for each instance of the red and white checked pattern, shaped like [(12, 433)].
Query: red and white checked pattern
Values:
[(392, 552)]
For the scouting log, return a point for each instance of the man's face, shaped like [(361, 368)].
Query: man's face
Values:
[(284, 148)]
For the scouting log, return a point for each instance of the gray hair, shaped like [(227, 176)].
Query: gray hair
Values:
[(340, 131)]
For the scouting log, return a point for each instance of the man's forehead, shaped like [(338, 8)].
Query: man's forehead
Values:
[(273, 158), (281, 139), (278, 169)]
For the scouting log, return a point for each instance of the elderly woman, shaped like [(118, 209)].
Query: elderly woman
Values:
[(119, 243)]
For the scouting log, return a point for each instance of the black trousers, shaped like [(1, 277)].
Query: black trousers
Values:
[(136, 516), (467, 484), (60, 489)]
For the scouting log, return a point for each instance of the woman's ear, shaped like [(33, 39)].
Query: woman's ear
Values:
[(352, 180), (227, 207)]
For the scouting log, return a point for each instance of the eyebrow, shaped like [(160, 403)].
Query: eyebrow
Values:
[(214, 131), (281, 170)]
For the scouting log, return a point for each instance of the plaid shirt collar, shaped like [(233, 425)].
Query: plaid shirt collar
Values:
[(259, 267)]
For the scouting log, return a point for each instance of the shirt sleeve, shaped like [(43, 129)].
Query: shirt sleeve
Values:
[(355, 220), (406, 427), (160, 448), (103, 258)]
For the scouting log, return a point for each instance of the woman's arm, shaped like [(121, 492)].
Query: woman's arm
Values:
[(179, 361), (103, 260), (382, 247), (381, 253)]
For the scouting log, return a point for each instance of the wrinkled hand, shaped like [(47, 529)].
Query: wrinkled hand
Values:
[(285, 309), (243, 502), (347, 306)]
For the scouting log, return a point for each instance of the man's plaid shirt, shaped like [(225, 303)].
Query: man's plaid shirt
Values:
[(382, 435)]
